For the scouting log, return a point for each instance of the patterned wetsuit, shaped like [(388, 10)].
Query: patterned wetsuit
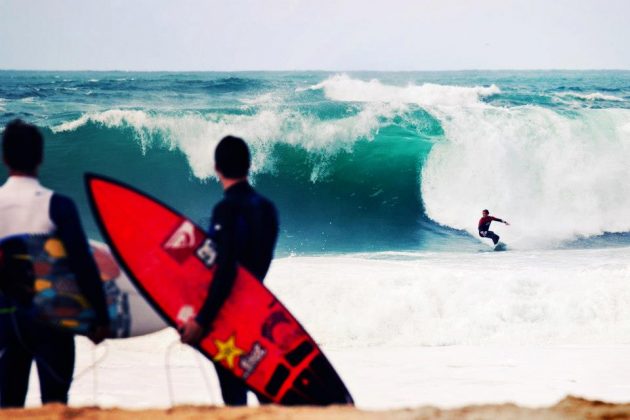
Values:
[(27, 207)]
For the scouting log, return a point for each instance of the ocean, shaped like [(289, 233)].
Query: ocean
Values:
[(356, 162), (380, 179)]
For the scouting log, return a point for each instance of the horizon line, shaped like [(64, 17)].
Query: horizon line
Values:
[(314, 70)]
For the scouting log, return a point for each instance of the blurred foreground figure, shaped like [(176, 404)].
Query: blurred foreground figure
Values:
[(28, 208)]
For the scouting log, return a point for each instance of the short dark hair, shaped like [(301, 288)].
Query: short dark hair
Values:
[(485, 211), (22, 146), (231, 157)]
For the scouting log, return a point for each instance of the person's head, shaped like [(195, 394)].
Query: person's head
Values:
[(485, 212), (231, 158), (22, 147)]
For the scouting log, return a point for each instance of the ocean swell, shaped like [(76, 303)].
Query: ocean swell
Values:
[(556, 176), (365, 161), (196, 135)]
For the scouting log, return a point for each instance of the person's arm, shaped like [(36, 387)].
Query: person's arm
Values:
[(225, 273), (223, 223), (65, 216), (496, 219)]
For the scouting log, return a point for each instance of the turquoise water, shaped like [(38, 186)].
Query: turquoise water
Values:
[(354, 161)]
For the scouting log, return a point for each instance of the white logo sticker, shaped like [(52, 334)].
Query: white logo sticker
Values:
[(207, 253), (250, 361), (183, 237), (185, 313)]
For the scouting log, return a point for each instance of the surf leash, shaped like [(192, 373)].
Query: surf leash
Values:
[(169, 376)]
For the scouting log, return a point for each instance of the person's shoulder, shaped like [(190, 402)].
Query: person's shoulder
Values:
[(224, 203), (4, 192), (62, 199), (61, 204), (224, 208), (264, 201), (44, 189)]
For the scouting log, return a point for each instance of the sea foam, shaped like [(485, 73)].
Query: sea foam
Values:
[(554, 177), (344, 88), (595, 96), (566, 297)]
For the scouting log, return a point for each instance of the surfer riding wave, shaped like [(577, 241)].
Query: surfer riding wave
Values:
[(484, 226)]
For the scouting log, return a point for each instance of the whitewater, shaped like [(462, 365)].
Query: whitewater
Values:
[(405, 330), (380, 179)]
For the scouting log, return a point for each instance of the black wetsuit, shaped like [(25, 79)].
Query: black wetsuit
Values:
[(484, 228), (22, 339), (244, 227)]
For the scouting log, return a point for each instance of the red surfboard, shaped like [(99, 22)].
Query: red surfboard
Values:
[(171, 260)]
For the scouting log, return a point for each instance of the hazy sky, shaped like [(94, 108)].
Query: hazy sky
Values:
[(314, 34)]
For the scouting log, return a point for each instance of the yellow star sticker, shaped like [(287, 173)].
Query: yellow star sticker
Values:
[(227, 351)]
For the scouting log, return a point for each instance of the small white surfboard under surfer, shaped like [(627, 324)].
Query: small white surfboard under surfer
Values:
[(485, 232)]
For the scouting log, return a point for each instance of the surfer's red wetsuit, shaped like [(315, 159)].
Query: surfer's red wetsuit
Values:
[(484, 222), (484, 228)]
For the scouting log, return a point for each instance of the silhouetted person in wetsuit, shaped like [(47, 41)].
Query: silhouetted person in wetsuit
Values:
[(244, 227), (484, 226)]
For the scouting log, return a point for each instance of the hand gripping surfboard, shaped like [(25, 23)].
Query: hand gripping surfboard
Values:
[(171, 260)]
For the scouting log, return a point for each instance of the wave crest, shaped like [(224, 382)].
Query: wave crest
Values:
[(596, 96), (197, 135), (346, 89)]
